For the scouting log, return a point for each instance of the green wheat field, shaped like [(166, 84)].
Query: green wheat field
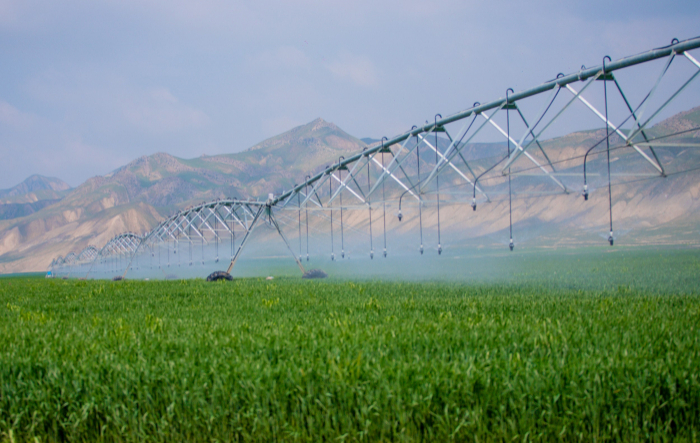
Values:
[(608, 348)]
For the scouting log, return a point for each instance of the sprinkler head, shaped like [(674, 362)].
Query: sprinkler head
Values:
[(400, 216), (511, 245), (611, 239), (307, 257), (332, 257), (217, 260), (421, 249), (439, 249), (371, 255), (585, 192), (384, 252), (342, 254), (474, 204)]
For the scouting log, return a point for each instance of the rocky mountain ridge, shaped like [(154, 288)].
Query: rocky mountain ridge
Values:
[(136, 196), (35, 188)]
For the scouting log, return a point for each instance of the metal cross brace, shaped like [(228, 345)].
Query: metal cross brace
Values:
[(527, 154), (351, 176), (388, 171), (449, 163), (516, 153), (235, 217), (616, 129), (273, 221), (529, 131), (343, 184), (460, 154), (179, 228), (215, 211), (644, 135), (190, 223), (670, 99), (318, 184), (245, 238), (645, 102), (205, 223), (403, 171), (458, 149), (443, 158), (392, 176), (348, 188), (246, 210)]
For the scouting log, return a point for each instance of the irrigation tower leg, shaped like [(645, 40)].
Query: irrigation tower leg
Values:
[(245, 238), (279, 230)]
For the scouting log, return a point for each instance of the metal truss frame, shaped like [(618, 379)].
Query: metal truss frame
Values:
[(366, 172)]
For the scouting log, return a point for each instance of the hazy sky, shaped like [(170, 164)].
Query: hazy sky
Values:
[(88, 86)]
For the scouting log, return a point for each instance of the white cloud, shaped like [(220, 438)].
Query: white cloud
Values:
[(163, 95), (75, 150), (13, 117), (139, 76), (159, 111), (355, 69), (99, 100)]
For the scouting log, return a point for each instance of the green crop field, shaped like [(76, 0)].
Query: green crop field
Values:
[(606, 351)]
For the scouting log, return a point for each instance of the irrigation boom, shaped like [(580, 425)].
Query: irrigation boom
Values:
[(393, 166)]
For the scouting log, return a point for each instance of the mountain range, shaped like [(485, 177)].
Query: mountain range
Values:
[(43, 217), (30, 196), (135, 197)]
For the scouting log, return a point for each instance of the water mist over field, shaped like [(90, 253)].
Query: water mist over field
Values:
[(536, 259)]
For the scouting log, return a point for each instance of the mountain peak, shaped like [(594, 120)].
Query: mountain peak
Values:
[(35, 183), (317, 132), (319, 124)]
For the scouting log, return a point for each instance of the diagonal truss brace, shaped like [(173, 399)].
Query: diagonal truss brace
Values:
[(351, 176), (253, 224), (527, 154), (670, 99), (449, 163), (348, 188), (458, 149), (387, 170), (517, 152), (616, 129), (273, 220)]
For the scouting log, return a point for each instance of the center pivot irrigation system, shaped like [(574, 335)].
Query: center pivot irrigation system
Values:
[(405, 171)]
